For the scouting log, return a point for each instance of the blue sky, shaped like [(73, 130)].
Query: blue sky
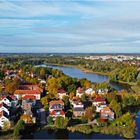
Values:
[(70, 26)]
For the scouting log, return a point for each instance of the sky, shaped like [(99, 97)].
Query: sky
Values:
[(69, 26)]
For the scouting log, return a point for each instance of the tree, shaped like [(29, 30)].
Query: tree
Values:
[(89, 113), (61, 122), (6, 125), (84, 97), (42, 73), (11, 87), (116, 107), (50, 120), (26, 118), (71, 95), (66, 102), (18, 128)]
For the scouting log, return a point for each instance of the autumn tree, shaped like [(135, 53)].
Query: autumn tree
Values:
[(42, 73), (89, 113), (61, 122), (26, 118), (11, 87)]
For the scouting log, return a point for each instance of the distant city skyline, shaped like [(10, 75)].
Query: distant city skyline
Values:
[(69, 26)]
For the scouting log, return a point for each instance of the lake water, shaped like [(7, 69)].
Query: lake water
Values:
[(76, 73), (63, 134)]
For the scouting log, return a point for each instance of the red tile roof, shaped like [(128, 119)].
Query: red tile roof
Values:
[(27, 92), (99, 99), (57, 102), (26, 97), (54, 112)]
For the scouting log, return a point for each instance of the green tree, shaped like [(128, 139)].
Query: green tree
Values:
[(61, 122), (18, 128), (116, 107), (50, 120)]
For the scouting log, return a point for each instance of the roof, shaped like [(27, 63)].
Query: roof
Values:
[(61, 91), (106, 110), (78, 109), (57, 112), (27, 92), (99, 99), (28, 89), (26, 97), (57, 102)]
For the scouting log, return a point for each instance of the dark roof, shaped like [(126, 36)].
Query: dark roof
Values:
[(9, 98), (78, 109)]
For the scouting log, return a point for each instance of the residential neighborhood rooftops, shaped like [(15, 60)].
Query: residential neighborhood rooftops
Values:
[(99, 99), (57, 102)]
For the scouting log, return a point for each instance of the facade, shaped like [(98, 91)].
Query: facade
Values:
[(98, 100), (61, 93), (4, 118), (28, 90), (106, 113), (79, 92), (56, 109), (89, 91)]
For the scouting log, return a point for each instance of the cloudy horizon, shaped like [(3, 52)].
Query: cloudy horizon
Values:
[(69, 26)]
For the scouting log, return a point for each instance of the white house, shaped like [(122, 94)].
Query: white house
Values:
[(4, 118), (4, 107), (9, 100), (89, 91), (100, 107)]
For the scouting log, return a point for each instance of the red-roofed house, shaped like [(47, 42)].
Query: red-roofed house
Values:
[(99, 100), (56, 113), (56, 105), (106, 113), (28, 90)]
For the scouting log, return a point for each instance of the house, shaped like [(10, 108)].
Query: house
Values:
[(98, 100), (78, 111), (56, 113), (4, 118), (30, 90), (56, 105), (9, 100), (106, 113), (102, 91), (61, 93), (4, 107), (100, 107), (80, 91), (56, 109), (89, 91)]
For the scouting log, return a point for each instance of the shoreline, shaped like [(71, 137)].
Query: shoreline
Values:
[(80, 68)]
